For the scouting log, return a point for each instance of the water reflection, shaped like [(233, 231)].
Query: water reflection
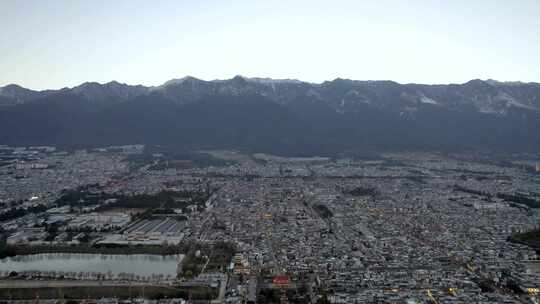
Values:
[(112, 265)]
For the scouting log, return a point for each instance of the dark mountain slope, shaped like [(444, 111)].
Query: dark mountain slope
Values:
[(280, 116)]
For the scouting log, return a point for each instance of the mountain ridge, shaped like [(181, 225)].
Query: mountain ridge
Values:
[(281, 116), (491, 96), (171, 81)]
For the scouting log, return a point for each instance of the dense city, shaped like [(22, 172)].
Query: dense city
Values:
[(136, 224)]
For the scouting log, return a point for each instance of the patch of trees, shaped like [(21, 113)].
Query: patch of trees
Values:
[(167, 212), (52, 232), (221, 255), (22, 249), (164, 199), (163, 211), (520, 199), (5, 250), (199, 294), (14, 213), (324, 298), (529, 238), (267, 295), (533, 235), (472, 191), (219, 225), (82, 196), (486, 285), (362, 191), (323, 211), (192, 265), (512, 198)]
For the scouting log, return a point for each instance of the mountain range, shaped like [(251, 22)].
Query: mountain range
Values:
[(278, 116)]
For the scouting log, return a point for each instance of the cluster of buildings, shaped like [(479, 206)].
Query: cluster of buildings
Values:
[(410, 228), (417, 239), (100, 221), (37, 175), (160, 231)]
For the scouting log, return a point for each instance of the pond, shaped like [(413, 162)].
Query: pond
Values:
[(143, 265)]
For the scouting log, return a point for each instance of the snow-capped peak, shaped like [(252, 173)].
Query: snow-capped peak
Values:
[(178, 81), (425, 99), (272, 81)]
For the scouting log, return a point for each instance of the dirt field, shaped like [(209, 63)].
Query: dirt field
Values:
[(24, 290)]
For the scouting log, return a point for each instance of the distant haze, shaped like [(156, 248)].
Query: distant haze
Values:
[(54, 44)]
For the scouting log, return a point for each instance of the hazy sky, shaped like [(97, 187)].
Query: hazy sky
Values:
[(53, 44)]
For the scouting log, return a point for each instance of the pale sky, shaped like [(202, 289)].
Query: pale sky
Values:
[(54, 44)]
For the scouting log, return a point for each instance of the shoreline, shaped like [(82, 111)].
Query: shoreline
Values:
[(20, 250)]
